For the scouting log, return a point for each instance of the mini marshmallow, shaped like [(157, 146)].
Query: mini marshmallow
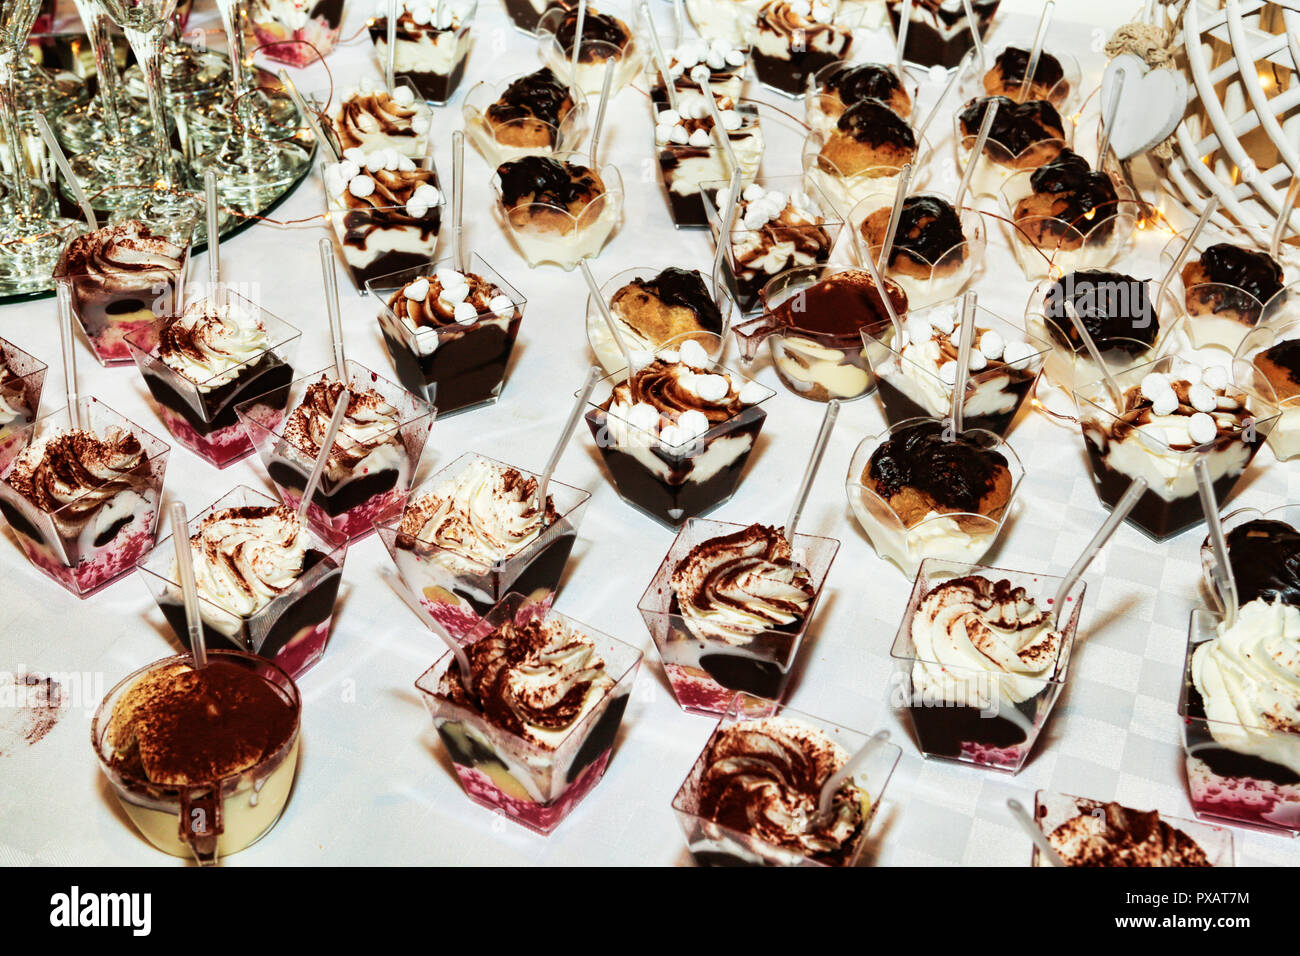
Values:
[(944, 318), (1164, 403), (700, 138), (428, 194), (918, 328), (466, 313), (756, 217), (449, 277), (347, 169), (361, 186), (678, 135), (644, 416), (422, 16), (454, 293), (403, 96), (416, 210), (735, 58), (692, 424), (1226, 402), (753, 192), (1202, 398), (406, 164), (800, 7), (688, 56), (977, 362), (355, 154), (948, 373), (991, 344), (692, 353), (417, 291), (712, 388), (700, 74), (1154, 384), (671, 436), (420, 123), (500, 304), (1201, 428), (751, 393), (1215, 377), (1015, 352), (731, 120), (669, 117), (716, 60)]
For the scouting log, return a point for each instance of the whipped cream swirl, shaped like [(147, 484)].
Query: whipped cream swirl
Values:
[(368, 438), (122, 258), (210, 345), (370, 117)]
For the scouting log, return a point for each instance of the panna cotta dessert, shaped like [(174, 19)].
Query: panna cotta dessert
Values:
[(938, 31), (840, 85), (22, 379), (1267, 363), (861, 155), (297, 32), (557, 209), (531, 115), (1051, 80), (1086, 832), (653, 310), (690, 154), (793, 39), (1226, 292), (936, 248), (430, 45), (605, 38), (697, 59), (1024, 136), (372, 118)]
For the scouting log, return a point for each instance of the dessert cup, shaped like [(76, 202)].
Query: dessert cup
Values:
[(380, 119), (759, 253), (788, 47), (844, 189), (22, 378), (241, 807), (457, 590), (730, 21), (94, 538), (525, 14), (296, 32), (714, 844), (1053, 810), (685, 168), (955, 536), (430, 56), (1230, 780), (598, 46), (667, 476), (1171, 503), (939, 33), (984, 716), (1264, 365), (290, 631), (526, 135), (727, 63), (999, 161), (528, 783), (823, 107), (706, 671), (1262, 556), (910, 384), (1056, 78), (546, 233), (201, 415), (457, 366), (346, 505)]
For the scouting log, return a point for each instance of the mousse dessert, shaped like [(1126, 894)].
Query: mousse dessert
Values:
[(372, 118), (723, 66), (689, 154), (840, 85), (123, 278), (431, 43), (1006, 77), (530, 729), (604, 37), (1226, 292), (939, 32), (384, 210), (449, 333), (22, 379), (475, 532), (935, 251), (558, 211), (652, 310), (532, 115), (297, 32), (1094, 833), (675, 434), (793, 39), (861, 155), (982, 661), (202, 761), (1024, 136)]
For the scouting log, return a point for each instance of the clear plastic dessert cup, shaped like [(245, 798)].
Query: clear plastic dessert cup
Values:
[(1062, 92), (822, 110), (524, 14), (593, 53), (680, 49), (432, 57), (516, 138), (344, 507), (95, 538), (997, 164), (705, 672), (1287, 514), (211, 821), (668, 479), (1229, 780), (908, 389), (987, 718), (291, 631), (1053, 810), (714, 844), (955, 536), (297, 33), (530, 784), (755, 257), (20, 400), (940, 34), (685, 169), (201, 415), (1284, 439), (456, 366), (410, 137), (844, 190), (456, 590), (1171, 504)]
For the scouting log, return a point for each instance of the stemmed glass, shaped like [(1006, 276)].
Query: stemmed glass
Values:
[(44, 91)]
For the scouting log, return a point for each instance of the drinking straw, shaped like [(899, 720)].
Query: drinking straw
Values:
[(1113, 386), (308, 115), (605, 313), (1136, 489), (577, 39), (891, 231), (323, 456), (934, 110), (1223, 578), (1108, 121), (977, 151), (332, 306), (1284, 217), (216, 294), (976, 41), (593, 376), (458, 199), (966, 336), (724, 233), (851, 766), (61, 160), (1036, 51), (1021, 816), (390, 62), (189, 589), (1211, 206), (904, 22), (814, 462), (661, 61), (596, 127), (68, 341)]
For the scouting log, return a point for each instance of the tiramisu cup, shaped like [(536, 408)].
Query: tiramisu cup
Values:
[(123, 278), (1240, 706), (1267, 363), (861, 155), (689, 156), (297, 32), (727, 21), (449, 333), (558, 209), (473, 532), (1087, 832), (533, 732), (1056, 77), (915, 378), (1227, 289), (793, 39), (729, 607), (373, 460), (82, 502), (385, 212), (1024, 136), (752, 797), (22, 378), (1264, 552), (266, 583), (813, 319), (371, 118), (202, 762), (605, 36), (980, 659), (839, 85), (1171, 414), (675, 436), (200, 364), (429, 55), (534, 114), (920, 491), (939, 32)]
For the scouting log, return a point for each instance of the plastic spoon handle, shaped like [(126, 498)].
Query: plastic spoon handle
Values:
[(1036, 51), (1112, 386), (189, 588), (605, 313), (323, 455), (308, 115), (331, 280), (577, 40), (575, 414), (810, 473), (724, 234), (458, 256), (977, 151), (976, 40), (607, 84), (934, 110), (900, 45), (61, 160), (661, 61), (1211, 207), (390, 60), (964, 344), (1223, 576), (1022, 817), (215, 293), (1116, 517), (1108, 121), (891, 231), (69, 343), (851, 766)]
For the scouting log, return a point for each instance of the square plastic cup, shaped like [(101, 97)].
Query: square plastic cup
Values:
[(823, 110), (937, 38), (712, 844), (111, 304), (431, 58), (455, 590), (964, 536), (994, 395), (706, 672), (685, 169), (1228, 781), (593, 54), (291, 630), (985, 718), (1248, 373), (20, 400), (671, 483), (681, 48), (344, 508), (456, 367), (298, 35), (525, 135), (94, 539), (1172, 504), (730, 21), (242, 808), (201, 415), (787, 64), (530, 784), (1052, 810), (754, 257)]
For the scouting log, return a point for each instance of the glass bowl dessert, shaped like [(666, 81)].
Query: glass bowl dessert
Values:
[(839, 85), (533, 114), (1024, 136), (606, 36), (862, 154), (558, 209), (430, 46)]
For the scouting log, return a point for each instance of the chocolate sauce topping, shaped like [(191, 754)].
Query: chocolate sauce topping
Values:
[(928, 227), (685, 288), (1115, 309), (839, 307), (1017, 126), (540, 179), (875, 124), (535, 96), (1014, 62), (864, 81), (1286, 355), (1077, 190), (1265, 559), (597, 26), (1251, 271), (955, 471)]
